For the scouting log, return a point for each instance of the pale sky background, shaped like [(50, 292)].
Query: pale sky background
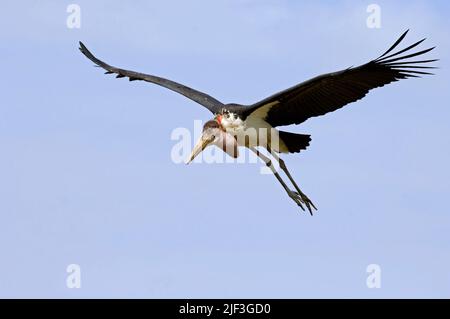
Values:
[(86, 175)]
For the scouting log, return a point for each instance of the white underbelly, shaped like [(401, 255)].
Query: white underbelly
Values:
[(256, 132)]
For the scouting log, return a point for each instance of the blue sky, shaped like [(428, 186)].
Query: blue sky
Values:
[(86, 176)]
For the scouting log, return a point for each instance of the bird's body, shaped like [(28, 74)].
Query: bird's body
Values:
[(255, 126), (250, 131)]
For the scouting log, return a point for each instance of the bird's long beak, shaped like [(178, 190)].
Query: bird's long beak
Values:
[(198, 148)]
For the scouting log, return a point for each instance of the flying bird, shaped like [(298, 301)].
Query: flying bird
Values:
[(254, 126)]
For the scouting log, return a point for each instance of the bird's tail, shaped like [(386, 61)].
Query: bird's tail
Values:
[(294, 142)]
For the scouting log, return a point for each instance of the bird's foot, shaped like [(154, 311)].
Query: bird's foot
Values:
[(301, 199), (296, 198), (308, 203)]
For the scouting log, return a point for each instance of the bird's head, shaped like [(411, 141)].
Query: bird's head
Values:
[(214, 134)]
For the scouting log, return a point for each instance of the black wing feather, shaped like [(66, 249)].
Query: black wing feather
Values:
[(204, 99), (329, 92), (395, 44)]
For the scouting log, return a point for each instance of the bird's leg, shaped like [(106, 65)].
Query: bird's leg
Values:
[(294, 195), (283, 166)]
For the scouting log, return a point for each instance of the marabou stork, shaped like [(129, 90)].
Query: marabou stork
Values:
[(232, 123)]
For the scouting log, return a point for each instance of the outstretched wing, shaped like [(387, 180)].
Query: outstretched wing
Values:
[(204, 99), (329, 92)]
